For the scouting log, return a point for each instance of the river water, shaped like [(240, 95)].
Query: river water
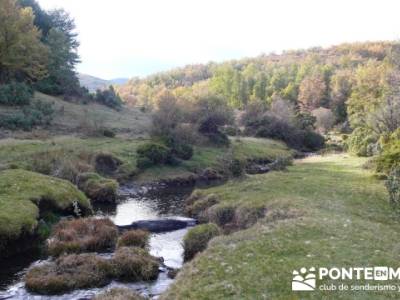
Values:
[(136, 203)]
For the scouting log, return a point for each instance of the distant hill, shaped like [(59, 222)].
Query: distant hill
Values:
[(94, 83)]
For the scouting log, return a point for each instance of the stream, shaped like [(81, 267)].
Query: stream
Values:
[(135, 203)]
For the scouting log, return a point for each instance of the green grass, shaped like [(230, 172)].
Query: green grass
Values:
[(241, 148), (22, 153), (20, 193), (324, 212), (74, 118)]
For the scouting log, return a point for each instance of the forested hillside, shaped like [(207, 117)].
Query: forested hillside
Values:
[(350, 87)]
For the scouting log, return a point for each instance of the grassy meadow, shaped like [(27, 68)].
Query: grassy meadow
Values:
[(325, 211)]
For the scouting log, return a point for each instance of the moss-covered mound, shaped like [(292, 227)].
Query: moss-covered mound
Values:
[(134, 264), (78, 271), (134, 238), (98, 188), (68, 273), (197, 238), (82, 235), (119, 294), (23, 194)]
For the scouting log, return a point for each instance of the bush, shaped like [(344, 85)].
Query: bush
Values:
[(361, 142), (68, 273), (98, 188), (237, 167), (231, 130), (153, 153), (218, 138), (39, 113), (82, 235), (15, 93), (393, 186), (312, 141), (134, 238), (106, 163), (197, 238), (108, 133), (108, 98), (390, 156), (119, 294), (270, 126), (134, 264), (182, 151)]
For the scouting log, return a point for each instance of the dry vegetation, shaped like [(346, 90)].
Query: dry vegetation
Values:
[(82, 235)]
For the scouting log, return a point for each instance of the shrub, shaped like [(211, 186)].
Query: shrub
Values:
[(270, 126), (390, 156), (218, 138), (231, 130), (108, 133), (68, 273), (134, 238), (237, 167), (393, 186), (182, 151), (197, 238), (361, 142), (82, 235), (98, 188), (312, 141), (37, 114), (61, 164), (134, 264), (106, 163), (108, 98), (154, 153), (119, 294), (15, 93)]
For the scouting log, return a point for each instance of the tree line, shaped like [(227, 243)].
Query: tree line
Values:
[(352, 88)]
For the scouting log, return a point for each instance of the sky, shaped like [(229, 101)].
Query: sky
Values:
[(127, 38)]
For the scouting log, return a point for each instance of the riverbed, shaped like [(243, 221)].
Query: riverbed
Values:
[(135, 203)]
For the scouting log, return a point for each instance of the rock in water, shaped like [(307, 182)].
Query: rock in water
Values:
[(162, 225)]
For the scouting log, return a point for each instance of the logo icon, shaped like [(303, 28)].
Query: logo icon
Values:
[(304, 280)]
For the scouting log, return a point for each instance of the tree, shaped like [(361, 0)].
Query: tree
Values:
[(367, 93), (62, 42), (385, 119), (108, 98), (22, 55), (340, 91), (325, 119), (312, 91), (167, 115)]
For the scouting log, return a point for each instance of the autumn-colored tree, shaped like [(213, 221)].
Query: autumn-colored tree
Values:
[(312, 91), (22, 55)]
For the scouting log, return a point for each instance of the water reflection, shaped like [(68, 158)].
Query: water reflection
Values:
[(136, 203)]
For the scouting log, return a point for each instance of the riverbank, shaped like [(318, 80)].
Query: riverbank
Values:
[(324, 212)]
